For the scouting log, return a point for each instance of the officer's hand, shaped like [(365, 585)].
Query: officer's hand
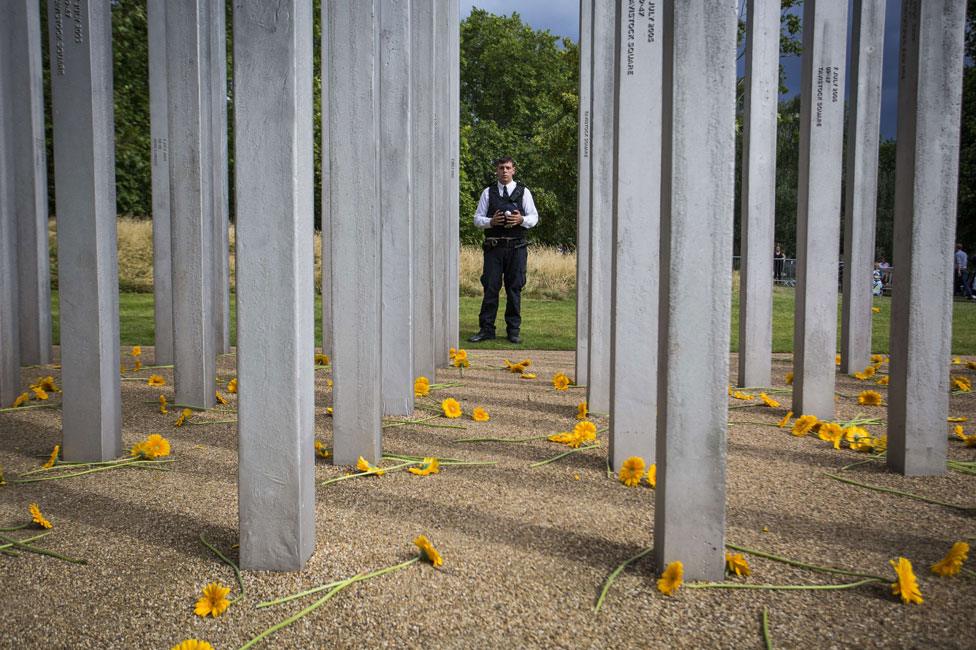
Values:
[(498, 219), (515, 219)]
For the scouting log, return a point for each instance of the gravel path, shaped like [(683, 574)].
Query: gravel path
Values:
[(525, 550)]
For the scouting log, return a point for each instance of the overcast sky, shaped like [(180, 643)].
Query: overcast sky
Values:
[(561, 17)]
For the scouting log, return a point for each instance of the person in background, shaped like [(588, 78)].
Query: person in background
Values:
[(779, 260), (962, 273)]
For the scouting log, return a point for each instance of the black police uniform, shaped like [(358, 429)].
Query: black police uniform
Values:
[(505, 255)]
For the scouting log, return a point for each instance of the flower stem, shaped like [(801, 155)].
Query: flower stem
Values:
[(767, 636), (233, 565), (613, 576), (89, 471), (4, 547), (403, 423), (13, 528), (741, 585), (372, 471), (910, 495), (357, 578), (29, 406), (803, 565), (513, 440), (873, 459), (206, 422), (563, 455), (24, 546), (765, 424)]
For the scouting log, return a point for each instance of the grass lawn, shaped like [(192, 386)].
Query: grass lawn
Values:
[(551, 324)]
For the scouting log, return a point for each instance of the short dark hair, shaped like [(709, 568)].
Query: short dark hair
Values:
[(505, 159)]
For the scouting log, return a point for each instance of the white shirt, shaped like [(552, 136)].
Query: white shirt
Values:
[(483, 220)]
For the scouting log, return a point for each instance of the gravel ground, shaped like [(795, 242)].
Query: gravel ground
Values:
[(525, 550)]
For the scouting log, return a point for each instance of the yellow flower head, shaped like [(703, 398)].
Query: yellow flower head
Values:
[(156, 380), (962, 384), (804, 425), (39, 392), (192, 644), (652, 475), (480, 415), (527, 375), (460, 359), (867, 373), (952, 563), (53, 458), (329, 383), (632, 471), (421, 386), (869, 444), (853, 433), (162, 405), (956, 361), (869, 398), (582, 412), (560, 381), (737, 564), (971, 365), (789, 378), (907, 585), (47, 383), (883, 381), (743, 396), (154, 446), (968, 439), (585, 431), (451, 408), (768, 401), (137, 365), (184, 415), (321, 359), (786, 419), (363, 466), (220, 398), (831, 432), (428, 550), (836, 359), (452, 353), (563, 437), (213, 601), (671, 579), (22, 398), (136, 350), (519, 367), (321, 450), (877, 358), (232, 385), (430, 466), (38, 518), (876, 310)]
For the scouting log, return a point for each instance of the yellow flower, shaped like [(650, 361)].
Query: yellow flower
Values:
[(429, 467), (867, 373), (451, 408), (785, 420), (632, 471), (321, 451), (47, 383), (38, 518), (652, 475), (53, 458), (971, 365), (213, 601), (563, 437), (321, 359), (877, 358), (154, 446), (23, 397), (156, 380), (137, 365), (136, 350), (585, 431), (527, 375), (907, 585), (39, 392), (328, 383), (768, 401), (951, 564), (883, 381), (184, 414), (560, 381), (853, 433), (428, 550), (743, 396), (460, 359), (363, 466), (869, 398), (452, 353), (969, 439), (876, 310), (192, 644), (671, 579), (582, 411), (220, 398), (836, 359), (831, 432), (162, 405), (956, 361), (869, 444), (2, 482), (789, 378), (958, 418), (804, 425), (480, 415), (737, 564), (962, 384), (328, 410), (519, 367), (421, 386), (232, 385)]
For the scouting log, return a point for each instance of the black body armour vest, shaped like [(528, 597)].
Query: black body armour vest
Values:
[(497, 202)]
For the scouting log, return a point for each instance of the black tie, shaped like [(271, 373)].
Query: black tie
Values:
[(505, 192)]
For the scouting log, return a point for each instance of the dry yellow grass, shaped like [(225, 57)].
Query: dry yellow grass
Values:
[(551, 274)]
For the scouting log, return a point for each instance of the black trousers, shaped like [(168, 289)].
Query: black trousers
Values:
[(508, 263)]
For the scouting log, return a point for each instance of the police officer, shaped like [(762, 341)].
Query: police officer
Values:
[(506, 210)]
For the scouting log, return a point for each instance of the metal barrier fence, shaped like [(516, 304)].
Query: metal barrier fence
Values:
[(784, 274)]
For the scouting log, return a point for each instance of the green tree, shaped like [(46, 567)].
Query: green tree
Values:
[(965, 224)]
